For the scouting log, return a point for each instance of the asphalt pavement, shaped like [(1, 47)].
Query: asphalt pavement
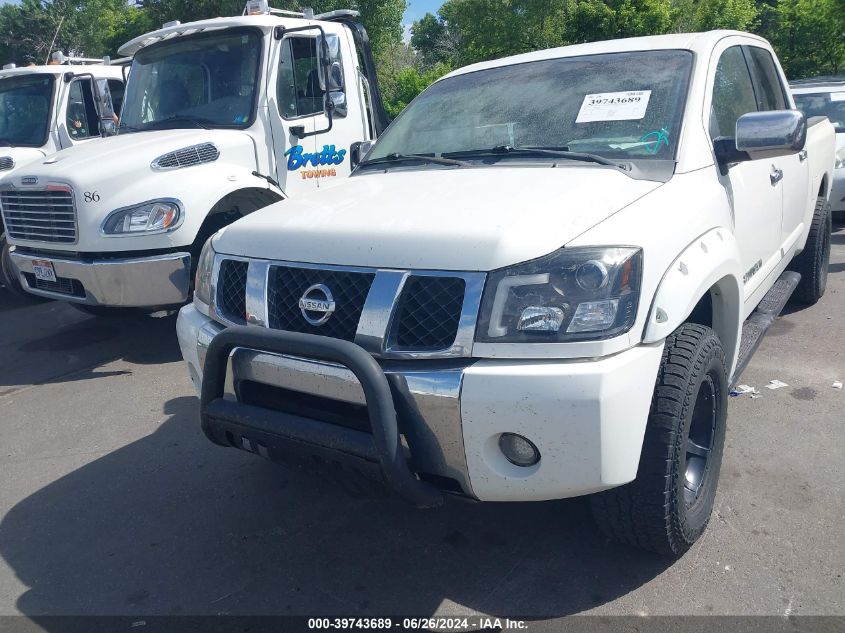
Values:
[(114, 503)]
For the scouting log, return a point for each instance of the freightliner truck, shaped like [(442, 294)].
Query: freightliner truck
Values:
[(221, 117), (541, 282), (46, 109)]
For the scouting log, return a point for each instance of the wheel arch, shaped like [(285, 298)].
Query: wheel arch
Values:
[(703, 285), (231, 207)]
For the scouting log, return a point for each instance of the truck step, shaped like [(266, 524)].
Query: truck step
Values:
[(764, 315)]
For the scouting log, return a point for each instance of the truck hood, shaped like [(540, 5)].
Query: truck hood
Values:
[(20, 155), (470, 219), (129, 155)]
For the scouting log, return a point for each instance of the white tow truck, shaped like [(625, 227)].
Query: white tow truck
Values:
[(46, 109), (541, 282), (221, 117)]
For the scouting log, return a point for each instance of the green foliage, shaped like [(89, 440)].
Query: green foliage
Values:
[(809, 35), (95, 28), (407, 84)]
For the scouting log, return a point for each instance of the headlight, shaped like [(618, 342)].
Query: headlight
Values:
[(158, 216), (574, 294), (840, 159), (205, 269)]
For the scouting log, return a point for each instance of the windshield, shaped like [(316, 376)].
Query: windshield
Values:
[(25, 106), (829, 104), (617, 105), (197, 81)]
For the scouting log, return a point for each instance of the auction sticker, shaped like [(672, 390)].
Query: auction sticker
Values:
[(614, 106)]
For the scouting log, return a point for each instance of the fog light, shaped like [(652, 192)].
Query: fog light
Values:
[(518, 450)]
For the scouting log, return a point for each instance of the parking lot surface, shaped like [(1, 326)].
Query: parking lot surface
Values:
[(114, 503)]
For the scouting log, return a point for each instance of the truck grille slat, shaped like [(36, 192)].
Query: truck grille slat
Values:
[(41, 216), (287, 285), (231, 290), (429, 313)]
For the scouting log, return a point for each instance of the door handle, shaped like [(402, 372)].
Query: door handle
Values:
[(802, 155), (776, 176)]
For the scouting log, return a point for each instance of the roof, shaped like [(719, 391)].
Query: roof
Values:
[(817, 84), (98, 70), (263, 21), (695, 42)]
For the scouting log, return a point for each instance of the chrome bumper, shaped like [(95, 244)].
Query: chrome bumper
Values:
[(141, 282)]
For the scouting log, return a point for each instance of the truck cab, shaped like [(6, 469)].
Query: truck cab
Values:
[(50, 108), (221, 117)]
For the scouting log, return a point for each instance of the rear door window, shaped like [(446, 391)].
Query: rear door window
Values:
[(769, 90)]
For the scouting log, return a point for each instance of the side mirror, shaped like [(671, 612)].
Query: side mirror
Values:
[(764, 135), (335, 77), (357, 151)]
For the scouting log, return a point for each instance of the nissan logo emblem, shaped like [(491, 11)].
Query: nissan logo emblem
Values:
[(317, 304)]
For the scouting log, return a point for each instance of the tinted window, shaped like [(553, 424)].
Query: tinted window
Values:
[(25, 105), (210, 80), (733, 94), (82, 120), (116, 89), (769, 89), (615, 104), (298, 89), (829, 104)]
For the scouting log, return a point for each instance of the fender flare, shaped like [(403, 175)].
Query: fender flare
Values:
[(710, 263)]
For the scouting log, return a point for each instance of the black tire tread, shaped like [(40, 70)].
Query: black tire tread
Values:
[(640, 513), (811, 287)]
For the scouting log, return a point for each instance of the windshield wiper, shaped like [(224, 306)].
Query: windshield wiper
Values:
[(179, 118), (562, 152), (393, 158), (4, 142)]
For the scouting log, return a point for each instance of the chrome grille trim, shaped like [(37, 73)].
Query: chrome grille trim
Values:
[(187, 157), (6, 163), (40, 215), (381, 307)]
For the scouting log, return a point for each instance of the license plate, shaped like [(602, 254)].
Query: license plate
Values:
[(44, 270)]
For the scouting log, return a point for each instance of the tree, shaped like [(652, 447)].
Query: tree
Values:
[(809, 36), (428, 35)]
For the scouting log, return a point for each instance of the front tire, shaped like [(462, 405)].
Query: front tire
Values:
[(8, 275), (667, 507), (813, 261)]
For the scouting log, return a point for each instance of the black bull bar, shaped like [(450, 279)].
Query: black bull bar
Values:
[(308, 435)]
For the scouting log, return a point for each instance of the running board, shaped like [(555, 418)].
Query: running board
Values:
[(757, 325)]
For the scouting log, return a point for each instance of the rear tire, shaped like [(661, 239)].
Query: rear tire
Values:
[(667, 507), (8, 274), (813, 261)]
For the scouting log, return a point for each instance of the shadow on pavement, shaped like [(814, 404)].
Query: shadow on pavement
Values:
[(172, 524), (45, 341)]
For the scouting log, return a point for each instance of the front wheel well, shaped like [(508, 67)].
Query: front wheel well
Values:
[(232, 207), (719, 308)]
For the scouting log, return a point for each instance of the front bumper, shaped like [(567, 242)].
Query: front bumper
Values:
[(141, 282), (587, 418)]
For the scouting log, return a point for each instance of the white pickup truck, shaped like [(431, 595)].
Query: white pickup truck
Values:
[(46, 109), (541, 282), (221, 117)]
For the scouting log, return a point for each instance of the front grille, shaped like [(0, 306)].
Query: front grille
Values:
[(62, 285), (40, 216), (6, 163), (287, 285), (188, 157), (429, 313), (231, 290)]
